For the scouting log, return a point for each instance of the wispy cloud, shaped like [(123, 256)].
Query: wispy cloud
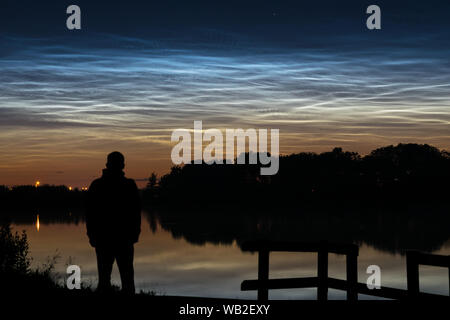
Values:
[(139, 90)]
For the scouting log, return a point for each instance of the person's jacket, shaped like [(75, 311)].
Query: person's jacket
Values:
[(113, 210)]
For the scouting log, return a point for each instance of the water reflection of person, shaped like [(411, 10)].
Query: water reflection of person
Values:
[(113, 222)]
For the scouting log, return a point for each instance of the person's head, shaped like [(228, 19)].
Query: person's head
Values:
[(115, 161)]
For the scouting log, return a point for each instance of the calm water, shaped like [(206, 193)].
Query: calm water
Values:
[(167, 263)]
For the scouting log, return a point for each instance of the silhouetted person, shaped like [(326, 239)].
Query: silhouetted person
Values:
[(113, 222)]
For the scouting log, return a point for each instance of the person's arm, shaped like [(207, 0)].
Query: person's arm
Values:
[(136, 213), (91, 208)]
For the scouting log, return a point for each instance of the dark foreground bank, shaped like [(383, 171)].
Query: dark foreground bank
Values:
[(169, 307)]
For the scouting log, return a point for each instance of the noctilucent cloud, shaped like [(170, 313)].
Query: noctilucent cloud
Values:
[(68, 99)]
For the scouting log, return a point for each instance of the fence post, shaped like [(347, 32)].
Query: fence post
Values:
[(412, 273), (322, 273), (263, 275), (352, 274)]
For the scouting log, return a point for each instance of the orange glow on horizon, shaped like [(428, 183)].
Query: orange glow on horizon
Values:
[(38, 225), (37, 183)]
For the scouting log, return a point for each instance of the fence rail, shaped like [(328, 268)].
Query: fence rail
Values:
[(322, 282)]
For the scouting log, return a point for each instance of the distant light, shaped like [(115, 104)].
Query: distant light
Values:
[(70, 188), (38, 225), (37, 184)]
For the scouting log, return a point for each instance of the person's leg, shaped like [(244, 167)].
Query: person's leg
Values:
[(124, 257), (105, 260)]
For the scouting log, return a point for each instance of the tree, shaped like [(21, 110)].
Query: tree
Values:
[(13, 251), (152, 181)]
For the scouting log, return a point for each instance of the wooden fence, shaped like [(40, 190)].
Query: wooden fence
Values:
[(322, 282)]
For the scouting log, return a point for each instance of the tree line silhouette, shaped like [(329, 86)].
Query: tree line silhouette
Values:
[(27, 197), (406, 175)]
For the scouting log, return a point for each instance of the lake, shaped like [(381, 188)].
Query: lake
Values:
[(171, 258)]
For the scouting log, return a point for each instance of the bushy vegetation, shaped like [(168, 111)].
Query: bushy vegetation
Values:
[(16, 275), (13, 251)]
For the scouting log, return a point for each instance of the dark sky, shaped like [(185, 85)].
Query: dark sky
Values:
[(291, 17)]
